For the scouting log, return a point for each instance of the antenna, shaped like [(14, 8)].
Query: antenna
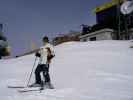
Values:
[(127, 7)]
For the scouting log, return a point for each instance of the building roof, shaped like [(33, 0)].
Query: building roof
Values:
[(107, 5), (96, 32)]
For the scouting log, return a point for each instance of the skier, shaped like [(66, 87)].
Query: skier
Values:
[(45, 54)]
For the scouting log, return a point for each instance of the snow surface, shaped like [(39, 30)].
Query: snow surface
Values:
[(100, 70)]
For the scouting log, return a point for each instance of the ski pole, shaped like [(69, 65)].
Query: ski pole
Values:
[(31, 72)]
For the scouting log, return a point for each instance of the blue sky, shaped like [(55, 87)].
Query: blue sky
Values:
[(29, 20)]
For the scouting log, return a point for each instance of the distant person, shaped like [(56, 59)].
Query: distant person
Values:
[(4, 47), (45, 54)]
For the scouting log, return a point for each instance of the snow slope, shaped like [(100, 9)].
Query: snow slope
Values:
[(100, 70)]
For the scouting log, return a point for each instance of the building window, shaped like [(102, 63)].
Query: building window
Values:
[(84, 40), (93, 39)]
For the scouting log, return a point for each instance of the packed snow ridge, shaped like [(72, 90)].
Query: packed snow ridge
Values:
[(99, 70)]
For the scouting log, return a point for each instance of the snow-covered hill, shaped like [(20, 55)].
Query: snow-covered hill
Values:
[(101, 70)]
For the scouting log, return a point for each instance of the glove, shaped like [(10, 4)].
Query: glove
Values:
[(37, 54)]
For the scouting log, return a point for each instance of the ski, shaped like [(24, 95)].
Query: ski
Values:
[(23, 91), (30, 89), (16, 86)]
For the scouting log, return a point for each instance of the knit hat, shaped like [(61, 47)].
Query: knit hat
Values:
[(45, 39)]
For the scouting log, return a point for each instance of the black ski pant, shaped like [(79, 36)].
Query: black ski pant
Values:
[(42, 68)]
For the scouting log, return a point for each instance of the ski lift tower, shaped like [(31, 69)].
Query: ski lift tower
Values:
[(126, 9), (119, 18)]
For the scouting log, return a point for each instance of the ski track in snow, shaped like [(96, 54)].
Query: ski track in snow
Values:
[(100, 70)]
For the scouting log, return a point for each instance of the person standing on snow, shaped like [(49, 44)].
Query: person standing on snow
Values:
[(45, 54)]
